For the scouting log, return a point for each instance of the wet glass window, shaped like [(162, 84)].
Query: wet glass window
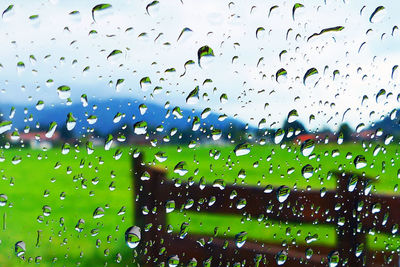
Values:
[(199, 133)]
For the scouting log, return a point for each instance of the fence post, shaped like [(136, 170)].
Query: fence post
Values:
[(348, 239), (147, 200)]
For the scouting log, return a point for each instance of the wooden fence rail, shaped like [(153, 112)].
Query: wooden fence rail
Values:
[(352, 211)]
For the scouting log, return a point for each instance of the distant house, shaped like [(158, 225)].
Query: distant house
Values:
[(36, 140), (303, 137), (318, 137), (364, 135)]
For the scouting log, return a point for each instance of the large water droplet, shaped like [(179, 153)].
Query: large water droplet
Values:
[(240, 239), (333, 259), (283, 193), (51, 130), (307, 171), (99, 8), (360, 162), (377, 15), (140, 128), (20, 248), (3, 200), (281, 257), (133, 236), (242, 149), (180, 168), (307, 147), (5, 126), (64, 92), (98, 213), (204, 51)]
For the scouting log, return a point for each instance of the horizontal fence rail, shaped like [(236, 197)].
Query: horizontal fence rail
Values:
[(351, 209)]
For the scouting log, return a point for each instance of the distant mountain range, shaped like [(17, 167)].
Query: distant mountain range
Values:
[(105, 111), (388, 125), (155, 115)]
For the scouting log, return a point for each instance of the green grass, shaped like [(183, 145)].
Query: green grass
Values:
[(26, 182), (31, 177)]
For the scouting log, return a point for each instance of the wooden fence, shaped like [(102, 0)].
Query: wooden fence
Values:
[(352, 211)]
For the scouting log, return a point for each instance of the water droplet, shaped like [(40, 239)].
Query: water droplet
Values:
[(359, 249), (295, 7), (241, 203), (114, 55), (46, 210), (161, 156), (40, 105), (92, 119), (84, 100), (79, 225), (205, 113), (307, 147), (223, 98), (242, 149), (283, 193), (140, 128), (309, 252), (5, 126), (332, 29), (144, 83), (216, 134), (65, 148), (20, 248), (279, 135), (142, 109), (219, 183), (259, 32), (117, 118), (240, 239), (184, 230), (173, 261), (16, 159), (388, 139), (64, 92), (99, 7), (193, 96), (380, 95), (292, 116), (204, 51), (98, 213), (180, 168), (170, 206), (375, 17), (152, 4), (177, 112), (360, 162), (333, 259), (281, 257), (3, 200), (7, 10), (280, 75), (51, 130), (71, 122), (184, 30), (309, 73), (307, 171), (133, 236)]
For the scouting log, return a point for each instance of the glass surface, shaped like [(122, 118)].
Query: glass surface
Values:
[(208, 133)]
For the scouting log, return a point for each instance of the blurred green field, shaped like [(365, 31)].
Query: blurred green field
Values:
[(103, 180)]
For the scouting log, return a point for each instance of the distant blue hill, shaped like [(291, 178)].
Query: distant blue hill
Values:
[(388, 125), (105, 112)]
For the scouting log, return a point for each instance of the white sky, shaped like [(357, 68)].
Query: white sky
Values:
[(218, 25)]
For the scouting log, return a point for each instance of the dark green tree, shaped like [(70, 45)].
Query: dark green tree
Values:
[(65, 134), (346, 131)]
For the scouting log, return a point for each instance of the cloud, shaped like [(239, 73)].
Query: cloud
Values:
[(56, 39)]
